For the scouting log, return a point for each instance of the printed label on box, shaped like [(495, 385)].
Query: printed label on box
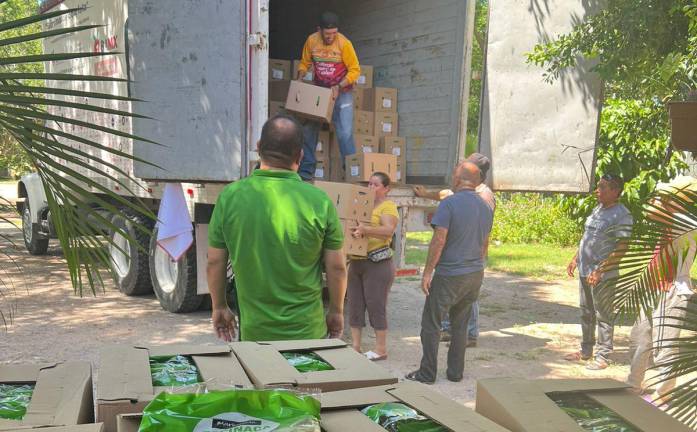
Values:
[(308, 76), (367, 149), (361, 79), (355, 170), (319, 146), (396, 151), (399, 175), (319, 173), (387, 127), (387, 103), (277, 73)]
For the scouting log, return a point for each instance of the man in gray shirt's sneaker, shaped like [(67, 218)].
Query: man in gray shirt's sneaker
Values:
[(609, 220)]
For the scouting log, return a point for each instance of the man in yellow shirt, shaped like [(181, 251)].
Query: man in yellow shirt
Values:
[(335, 65)]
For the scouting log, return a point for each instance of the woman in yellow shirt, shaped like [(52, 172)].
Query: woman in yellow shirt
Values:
[(370, 279)]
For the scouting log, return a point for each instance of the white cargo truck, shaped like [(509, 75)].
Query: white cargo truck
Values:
[(202, 68)]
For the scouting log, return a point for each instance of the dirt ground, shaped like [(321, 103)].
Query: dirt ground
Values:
[(526, 325)]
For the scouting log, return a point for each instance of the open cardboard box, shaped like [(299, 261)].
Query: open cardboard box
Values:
[(62, 394), (125, 382), (92, 427), (267, 367), (341, 409), (523, 405)]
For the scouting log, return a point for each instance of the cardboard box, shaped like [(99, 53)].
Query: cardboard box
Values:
[(336, 162), (62, 394), (341, 409), (92, 427), (523, 405), (400, 177), (308, 75), (395, 145), (322, 150), (278, 91), (279, 70), (321, 170), (351, 201), (310, 101), (352, 245), (360, 167), (366, 143), (365, 79), (363, 122), (267, 367), (276, 108), (386, 124), (125, 382), (358, 98), (380, 99)]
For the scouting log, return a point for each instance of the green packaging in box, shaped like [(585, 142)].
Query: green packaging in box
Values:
[(14, 399), (306, 361), (233, 411), (168, 371), (589, 414), (398, 417)]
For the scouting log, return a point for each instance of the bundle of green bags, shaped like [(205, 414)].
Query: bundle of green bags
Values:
[(589, 414), (14, 399), (397, 417)]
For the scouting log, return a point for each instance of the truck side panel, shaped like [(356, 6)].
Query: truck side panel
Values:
[(187, 61)]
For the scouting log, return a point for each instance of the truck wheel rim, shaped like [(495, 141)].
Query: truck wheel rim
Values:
[(166, 270), (119, 254), (26, 225)]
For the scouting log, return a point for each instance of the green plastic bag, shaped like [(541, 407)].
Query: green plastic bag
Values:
[(232, 411), (589, 414), (168, 371), (14, 399), (397, 417), (307, 362)]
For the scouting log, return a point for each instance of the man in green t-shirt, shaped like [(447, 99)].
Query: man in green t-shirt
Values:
[(278, 233)]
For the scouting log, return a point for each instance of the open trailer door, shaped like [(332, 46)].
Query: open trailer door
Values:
[(540, 136)]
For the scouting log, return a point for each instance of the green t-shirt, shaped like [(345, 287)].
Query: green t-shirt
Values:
[(275, 228)]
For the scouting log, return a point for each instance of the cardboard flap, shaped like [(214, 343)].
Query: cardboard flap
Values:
[(221, 372), (264, 364), (443, 410), (348, 420), (577, 385), (124, 373), (128, 422), (517, 404), (348, 365), (185, 349), (58, 395), (96, 427), (21, 373), (305, 345), (637, 411), (357, 398)]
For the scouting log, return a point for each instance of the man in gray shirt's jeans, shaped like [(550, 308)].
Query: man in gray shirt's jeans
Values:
[(602, 227)]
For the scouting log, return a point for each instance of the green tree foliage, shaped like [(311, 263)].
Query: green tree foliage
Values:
[(11, 155), (481, 20)]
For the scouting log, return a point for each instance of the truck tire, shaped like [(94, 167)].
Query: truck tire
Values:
[(132, 268), (174, 282), (35, 243)]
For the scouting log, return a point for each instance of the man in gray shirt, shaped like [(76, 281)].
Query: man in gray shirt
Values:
[(609, 220), (453, 273)]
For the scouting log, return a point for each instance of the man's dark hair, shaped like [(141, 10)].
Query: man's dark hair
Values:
[(384, 178), (328, 20), (281, 141), (615, 181)]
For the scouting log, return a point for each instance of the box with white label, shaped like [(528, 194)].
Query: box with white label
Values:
[(321, 170), (386, 124), (322, 149), (360, 166), (379, 99), (279, 70), (365, 79), (366, 143)]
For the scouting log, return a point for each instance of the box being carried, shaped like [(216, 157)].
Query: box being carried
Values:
[(308, 75), (62, 394), (547, 405), (311, 101), (351, 201), (359, 167), (266, 365), (352, 245), (341, 410), (126, 383)]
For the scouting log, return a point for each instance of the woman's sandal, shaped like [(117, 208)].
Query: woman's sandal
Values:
[(373, 356)]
